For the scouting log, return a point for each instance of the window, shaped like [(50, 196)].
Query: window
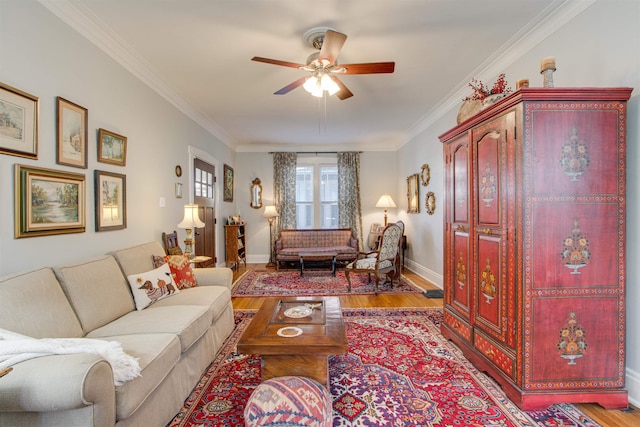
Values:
[(317, 195)]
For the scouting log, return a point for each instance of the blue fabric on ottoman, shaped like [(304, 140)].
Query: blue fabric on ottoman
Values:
[(291, 402)]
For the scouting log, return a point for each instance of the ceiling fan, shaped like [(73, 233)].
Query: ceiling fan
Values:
[(324, 67)]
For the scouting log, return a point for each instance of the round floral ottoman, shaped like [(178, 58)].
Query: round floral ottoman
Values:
[(291, 402)]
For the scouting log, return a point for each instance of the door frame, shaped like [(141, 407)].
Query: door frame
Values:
[(194, 153)]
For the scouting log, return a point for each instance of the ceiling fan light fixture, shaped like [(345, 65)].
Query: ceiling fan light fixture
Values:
[(310, 84), (329, 84)]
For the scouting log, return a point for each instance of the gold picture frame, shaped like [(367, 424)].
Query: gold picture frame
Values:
[(112, 148), (228, 184), (72, 131), (425, 175), (413, 194), (48, 201), (111, 200), (430, 202), (19, 128)]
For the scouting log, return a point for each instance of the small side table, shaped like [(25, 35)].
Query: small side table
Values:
[(197, 261)]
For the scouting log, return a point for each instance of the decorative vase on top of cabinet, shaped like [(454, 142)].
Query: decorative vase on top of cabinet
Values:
[(534, 240)]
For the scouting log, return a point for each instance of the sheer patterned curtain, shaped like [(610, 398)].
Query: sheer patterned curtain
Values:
[(284, 191), (349, 207)]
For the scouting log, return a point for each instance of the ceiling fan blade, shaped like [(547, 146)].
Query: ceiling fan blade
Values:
[(344, 91), (368, 68), (331, 46), (291, 86), (277, 62)]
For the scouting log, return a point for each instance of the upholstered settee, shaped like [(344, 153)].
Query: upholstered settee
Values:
[(291, 243), (174, 339)]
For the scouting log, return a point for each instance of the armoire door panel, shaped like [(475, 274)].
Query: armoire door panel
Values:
[(488, 178), (490, 291), (461, 288), (583, 150), (461, 184), (574, 339), (569, 248)]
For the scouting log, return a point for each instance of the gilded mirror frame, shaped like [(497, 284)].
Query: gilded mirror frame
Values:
[(430, 203), (425, 175), (256, 194), (413, 194)]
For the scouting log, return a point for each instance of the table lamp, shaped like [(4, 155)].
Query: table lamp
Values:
[(190, 221), (385, 202)]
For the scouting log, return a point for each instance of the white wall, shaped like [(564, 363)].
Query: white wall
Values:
[(600, 47), (44, 57)]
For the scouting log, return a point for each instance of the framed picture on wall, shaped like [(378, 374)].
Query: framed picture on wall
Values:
[(228, 184), (48, 202), (112, 148), (111, 205), (19, 124), (71, 139)]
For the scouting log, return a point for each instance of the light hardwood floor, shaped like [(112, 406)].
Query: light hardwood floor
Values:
[(607, 418)]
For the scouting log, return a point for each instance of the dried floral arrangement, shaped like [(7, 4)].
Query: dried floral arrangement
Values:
[(480, 91)]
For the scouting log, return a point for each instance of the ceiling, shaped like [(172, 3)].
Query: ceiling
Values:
[(197, 54)]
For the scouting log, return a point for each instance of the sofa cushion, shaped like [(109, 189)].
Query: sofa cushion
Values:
[(188, 322), (152, 286), (215, 297), (180, 267), (137, 259), (97, 290), (157, 354), (34, 304)]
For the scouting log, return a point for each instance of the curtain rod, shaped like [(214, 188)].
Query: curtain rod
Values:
[(314, 152)]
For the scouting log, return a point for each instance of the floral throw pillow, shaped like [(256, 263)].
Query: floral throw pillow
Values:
[(152, 286), (180, 267)]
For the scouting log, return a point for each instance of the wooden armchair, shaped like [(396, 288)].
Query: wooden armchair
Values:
[(383, 261), (170, 241)]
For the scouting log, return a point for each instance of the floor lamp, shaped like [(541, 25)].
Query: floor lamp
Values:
[(385, 202), (190, 221), (271, 214)]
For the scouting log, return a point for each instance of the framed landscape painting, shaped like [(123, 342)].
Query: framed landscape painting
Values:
[(112, 148), (111, 201), (48, 202), (228, 184), (71, 139), (18, 122)]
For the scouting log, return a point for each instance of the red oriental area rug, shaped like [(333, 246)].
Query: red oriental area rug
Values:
[(260, 283), (399, 372)]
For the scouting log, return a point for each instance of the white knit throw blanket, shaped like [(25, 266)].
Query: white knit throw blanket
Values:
[(15, 348)]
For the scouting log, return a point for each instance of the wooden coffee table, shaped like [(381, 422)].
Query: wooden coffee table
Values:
[(318, 256), (295, 343)]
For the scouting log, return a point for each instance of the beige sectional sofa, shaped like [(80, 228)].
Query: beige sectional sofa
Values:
[(174, 340)]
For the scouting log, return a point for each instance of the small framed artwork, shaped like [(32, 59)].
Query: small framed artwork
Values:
[(228, 184), (178, 190), (19, 124), (112, 148), (111, 201), (48, 201), (71, 139)]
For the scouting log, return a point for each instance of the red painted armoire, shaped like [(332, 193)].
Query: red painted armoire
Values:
[(534, 241)]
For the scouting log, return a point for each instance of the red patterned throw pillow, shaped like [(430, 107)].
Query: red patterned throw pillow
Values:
[(180, 267)]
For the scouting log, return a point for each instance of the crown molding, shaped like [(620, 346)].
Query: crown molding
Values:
[(80, 18), (550, 20)]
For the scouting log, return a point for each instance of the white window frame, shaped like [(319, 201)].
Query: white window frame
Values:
[(316, 163)]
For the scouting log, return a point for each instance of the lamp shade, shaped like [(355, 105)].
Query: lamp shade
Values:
[(191, 218), (385, 201), (270, 212)]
